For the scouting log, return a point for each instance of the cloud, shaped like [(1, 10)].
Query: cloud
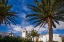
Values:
[(26, 9), (23, 19), (20, 7), (9, 31), (22, 15), (30, 27), (19, 28), (61, 26), (16, 28), (23, 6), (23, 2), (41, 29)]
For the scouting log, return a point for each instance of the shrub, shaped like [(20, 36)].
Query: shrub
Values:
[(14, 39)]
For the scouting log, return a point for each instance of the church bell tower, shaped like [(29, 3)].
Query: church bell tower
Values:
[(24, 33)]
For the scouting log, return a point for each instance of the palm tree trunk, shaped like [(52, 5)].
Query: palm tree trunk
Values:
[(50, 29)]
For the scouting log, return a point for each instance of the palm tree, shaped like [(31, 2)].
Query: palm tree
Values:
[(47, 12), (33, 34), (6, 16)]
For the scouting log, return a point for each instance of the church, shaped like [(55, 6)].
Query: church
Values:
[(43, 38)]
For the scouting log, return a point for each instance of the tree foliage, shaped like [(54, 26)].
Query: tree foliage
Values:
[(47, 12), (6, 15), (44, 9), (33, 34), (14, 39)]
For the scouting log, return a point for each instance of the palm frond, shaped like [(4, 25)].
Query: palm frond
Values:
[(60, 12), (59, 18), (32, 19), (41, 7), (38, 24), (6, 16), (6, 2), (13, 21), (36, 21), (53, 24), (35, 15), (59, 4), (47, 8), (57, 22), (34, 8)]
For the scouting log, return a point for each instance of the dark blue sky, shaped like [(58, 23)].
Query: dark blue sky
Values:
[(20, 6)]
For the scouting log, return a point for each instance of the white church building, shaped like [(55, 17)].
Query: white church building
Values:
[(43, 38)]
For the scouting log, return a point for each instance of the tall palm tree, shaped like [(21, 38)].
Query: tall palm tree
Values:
[(47, 12), (33, 34), (6, 16)]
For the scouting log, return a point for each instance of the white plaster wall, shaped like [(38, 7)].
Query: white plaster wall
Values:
[(23, 35), (60, 39), (55, 37), (45, 38), (41, 38)]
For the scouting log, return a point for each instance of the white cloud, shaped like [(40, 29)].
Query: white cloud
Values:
[(23, 19), (61, 26), (26, 9), (16, 28), (9, 31), (22, 15), (30, 27), (41, 29), (23, 2)]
